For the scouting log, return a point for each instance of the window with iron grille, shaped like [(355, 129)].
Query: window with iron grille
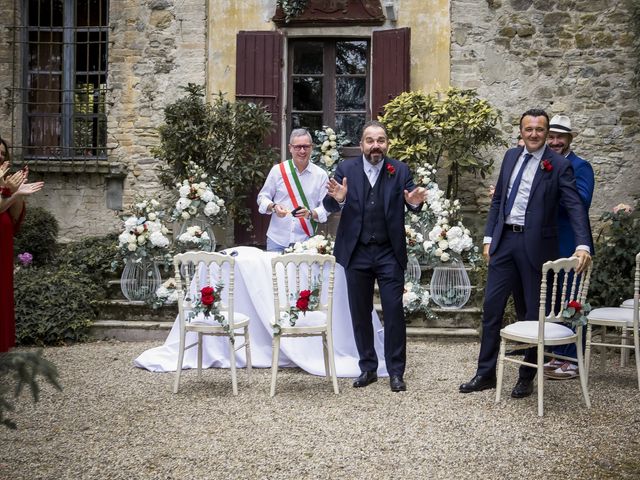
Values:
[(64, 84)]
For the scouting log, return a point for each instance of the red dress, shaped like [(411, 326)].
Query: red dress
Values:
[(8, 228)]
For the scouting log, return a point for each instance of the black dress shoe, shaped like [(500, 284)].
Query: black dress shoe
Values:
[(365, 378), (523, 388), (477, 384), (397, 383)]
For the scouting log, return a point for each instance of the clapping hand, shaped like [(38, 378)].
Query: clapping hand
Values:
[(337, 191), (416, 196)]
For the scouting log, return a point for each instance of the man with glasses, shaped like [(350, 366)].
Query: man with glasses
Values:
[(292, 194)]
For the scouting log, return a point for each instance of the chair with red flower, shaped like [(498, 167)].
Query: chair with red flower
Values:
[(622, 319), (205, 284), (562, 300), (303, 305)]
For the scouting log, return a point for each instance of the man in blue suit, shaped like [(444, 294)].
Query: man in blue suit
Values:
[(371, 245), (520, 235), (559, 140)]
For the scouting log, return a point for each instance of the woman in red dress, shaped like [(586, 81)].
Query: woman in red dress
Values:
[(13, 189)]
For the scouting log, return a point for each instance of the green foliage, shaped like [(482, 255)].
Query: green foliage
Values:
[(292, 8), (450, 130), (25, 368), (226, 139), (54, 305), (38, 235), (617, 244), (92, 256)]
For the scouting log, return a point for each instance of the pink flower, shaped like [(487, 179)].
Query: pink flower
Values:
[(624, 207)]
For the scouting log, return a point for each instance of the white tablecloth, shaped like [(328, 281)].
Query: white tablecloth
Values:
[(254, 297)]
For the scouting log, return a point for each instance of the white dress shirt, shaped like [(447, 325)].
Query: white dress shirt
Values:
[(287, 230), (372, 171)]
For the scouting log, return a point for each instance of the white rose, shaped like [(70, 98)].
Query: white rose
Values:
[(207, 196), (330, 131), (445, 257), (131, 222), (140, 228), (185, 216), (182, 204), (326, 144), (220, 202), (332, 137), (184, 191), (142, 240), (443, 244), (123, 238), (132, 247), (211, 209), (159, 240), (152, 216)]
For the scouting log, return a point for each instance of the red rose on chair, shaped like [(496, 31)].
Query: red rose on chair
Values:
[(303, 300), (207, 296), (390, 169), (546, 165), (575, 305)]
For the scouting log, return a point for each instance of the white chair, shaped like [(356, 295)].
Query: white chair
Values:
[(292, 273), (202, 269), (559, 279), (623, 318)]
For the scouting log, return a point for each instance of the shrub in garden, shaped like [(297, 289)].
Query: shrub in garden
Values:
[(93, 256), (614, 261), (54, 305), (38, 235)]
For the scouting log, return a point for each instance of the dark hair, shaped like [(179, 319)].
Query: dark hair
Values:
[(534, 112), (6, 148), (374, 123)]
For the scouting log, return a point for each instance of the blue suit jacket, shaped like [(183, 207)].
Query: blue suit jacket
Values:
[(585, 183), (549, 190), (350, 224)]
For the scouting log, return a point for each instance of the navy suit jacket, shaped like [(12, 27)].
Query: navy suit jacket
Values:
[(549, 190), (585, 182), (350, 224)]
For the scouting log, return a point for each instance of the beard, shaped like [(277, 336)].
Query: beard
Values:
[(374, 156)]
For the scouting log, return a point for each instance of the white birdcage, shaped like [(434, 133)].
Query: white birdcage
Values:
[(414, 271), (205, 226), (450, 285), (140, 279)]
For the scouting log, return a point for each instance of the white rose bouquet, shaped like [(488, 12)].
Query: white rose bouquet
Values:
[(316, 244), (143, 234), (194, 239), (327, 150), (196, 196)]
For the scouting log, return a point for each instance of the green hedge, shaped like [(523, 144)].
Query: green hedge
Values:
[(54, 305), (38, 235)]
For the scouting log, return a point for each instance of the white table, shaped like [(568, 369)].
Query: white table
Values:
[(254, 297)]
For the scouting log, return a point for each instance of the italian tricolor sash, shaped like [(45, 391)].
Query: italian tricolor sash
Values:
[(292, 196)]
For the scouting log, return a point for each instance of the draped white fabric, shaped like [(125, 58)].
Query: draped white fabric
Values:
[(254, 297)]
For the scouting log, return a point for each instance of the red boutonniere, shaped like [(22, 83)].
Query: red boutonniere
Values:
[(391, 171), (546, 165)]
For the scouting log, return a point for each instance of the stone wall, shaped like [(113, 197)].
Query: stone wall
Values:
[(568, 57)]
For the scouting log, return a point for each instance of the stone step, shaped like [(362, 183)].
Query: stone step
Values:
[(140, 331), (115, 309), (466, 317)]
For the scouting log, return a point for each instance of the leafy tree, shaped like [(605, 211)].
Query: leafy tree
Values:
[(25, 368), (450, 130), (226, 138)]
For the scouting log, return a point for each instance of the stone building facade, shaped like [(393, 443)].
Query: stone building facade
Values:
[(572, 57)]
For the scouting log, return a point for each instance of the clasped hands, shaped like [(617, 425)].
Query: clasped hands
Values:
[(338, 191), (282, 212)]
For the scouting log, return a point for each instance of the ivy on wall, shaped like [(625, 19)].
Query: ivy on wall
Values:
[(292, 8)]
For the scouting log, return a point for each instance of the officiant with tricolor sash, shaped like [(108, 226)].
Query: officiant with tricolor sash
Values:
[(292, 194)]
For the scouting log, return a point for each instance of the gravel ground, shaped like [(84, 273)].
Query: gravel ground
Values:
[(113, 421)]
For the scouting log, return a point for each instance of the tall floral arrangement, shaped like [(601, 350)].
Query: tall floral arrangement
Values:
[(144, 235), (327, 149), (196, 196)]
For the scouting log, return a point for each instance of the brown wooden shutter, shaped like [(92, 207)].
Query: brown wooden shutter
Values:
[(259, 80), (390, 67)]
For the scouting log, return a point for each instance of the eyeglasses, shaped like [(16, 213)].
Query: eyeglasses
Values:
[(300, 147)]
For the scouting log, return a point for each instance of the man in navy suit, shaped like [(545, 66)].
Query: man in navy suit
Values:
[(371, 245), (520, 235), (560, 137)]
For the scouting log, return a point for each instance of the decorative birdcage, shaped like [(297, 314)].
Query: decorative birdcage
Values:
[(450, 285), (140, 279), (414, 271), (206, 226)]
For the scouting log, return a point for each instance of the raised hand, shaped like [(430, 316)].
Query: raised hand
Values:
[(3, 169), (29, 188), (14, 181), (337, 191), (415, 196)]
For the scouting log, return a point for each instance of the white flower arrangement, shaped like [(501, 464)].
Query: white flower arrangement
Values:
[(196, 196), (415, 299), (166, 294), (316, 244), (194, 237), (414, 238), (327, 150), (143, 234)]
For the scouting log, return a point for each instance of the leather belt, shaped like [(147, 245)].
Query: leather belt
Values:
[(514, 228)]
